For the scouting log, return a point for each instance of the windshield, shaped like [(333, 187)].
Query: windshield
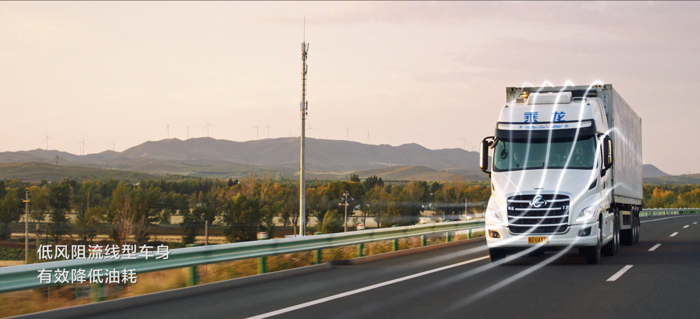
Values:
[(515, 155)]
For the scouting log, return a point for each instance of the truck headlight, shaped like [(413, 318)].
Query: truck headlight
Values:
[(586, 214), (493, 217)]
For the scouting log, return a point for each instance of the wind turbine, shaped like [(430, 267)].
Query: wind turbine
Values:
[(114, 147), (47, 139), (290, 131), (83, 145), (347, 132), (368, 135), (268, 127), (465, 142), (257, 135), (167, 128), (308, 127), (207, 126)]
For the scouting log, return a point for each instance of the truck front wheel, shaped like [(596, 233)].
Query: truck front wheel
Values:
[(614, 245), (496, 254), (593, 253)]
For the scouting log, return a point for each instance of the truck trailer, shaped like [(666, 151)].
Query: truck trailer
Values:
[(565, 165)]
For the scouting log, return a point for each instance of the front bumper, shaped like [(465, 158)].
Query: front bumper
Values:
[(570, 238)]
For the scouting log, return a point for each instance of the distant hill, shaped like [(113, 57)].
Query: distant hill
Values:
[(651, 171), (678, 179), (37, 171), (402, 173), (275, 158), (322, 155)]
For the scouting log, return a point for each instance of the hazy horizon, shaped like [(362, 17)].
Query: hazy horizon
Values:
[(409, 72)]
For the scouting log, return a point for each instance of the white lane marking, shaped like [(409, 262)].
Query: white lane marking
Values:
[(674, 234), (620, 273), (686, 226), (654, 248), (360, 290), (665, 218), (695, 223)]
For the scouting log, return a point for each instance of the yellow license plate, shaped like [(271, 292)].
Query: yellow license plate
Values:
[(537, 240)]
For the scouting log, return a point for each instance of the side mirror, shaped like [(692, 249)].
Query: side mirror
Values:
[(484, 154), (608, 159)]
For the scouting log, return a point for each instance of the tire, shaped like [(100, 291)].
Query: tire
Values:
[(638, 226), (628, 234), (617, 236), (496, 254), (593, 253), (611, 248)]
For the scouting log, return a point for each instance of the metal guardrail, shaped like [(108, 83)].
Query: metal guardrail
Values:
[(668, 211), (22, 277), (26, 276)]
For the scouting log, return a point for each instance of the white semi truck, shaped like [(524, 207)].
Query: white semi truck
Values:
[(566, 172)]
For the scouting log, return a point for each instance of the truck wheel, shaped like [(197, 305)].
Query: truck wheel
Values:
[(611, 248), (617, 236), (593, 253), (628, 234), (496, 254), (637, 226)]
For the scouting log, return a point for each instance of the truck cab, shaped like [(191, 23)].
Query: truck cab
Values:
[(551, 174)]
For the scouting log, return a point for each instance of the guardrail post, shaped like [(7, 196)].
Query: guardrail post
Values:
[(423, 241), (192, 275), (318, 257), (360, 250), (395, 242), (447, 237), (262, 265), (262, 261), (96, 292), (469, 234)]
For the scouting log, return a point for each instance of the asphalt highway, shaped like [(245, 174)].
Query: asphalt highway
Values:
[(656, 278)]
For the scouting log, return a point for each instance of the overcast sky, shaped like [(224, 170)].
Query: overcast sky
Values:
[(414, 72)]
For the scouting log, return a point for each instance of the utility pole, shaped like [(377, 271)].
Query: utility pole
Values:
[(345, 195), (304, 107), (26, 227)]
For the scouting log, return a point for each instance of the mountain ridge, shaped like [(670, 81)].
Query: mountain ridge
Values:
[(278, 157)]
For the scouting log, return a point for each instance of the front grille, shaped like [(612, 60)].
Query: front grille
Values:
[(551, 217)]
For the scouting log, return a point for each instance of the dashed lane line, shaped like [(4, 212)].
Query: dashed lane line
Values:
[(654, 248), (619, 274), (357, 291), (686, 226), (673, 235)]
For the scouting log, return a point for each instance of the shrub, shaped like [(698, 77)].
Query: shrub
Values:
[(332, 222)]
